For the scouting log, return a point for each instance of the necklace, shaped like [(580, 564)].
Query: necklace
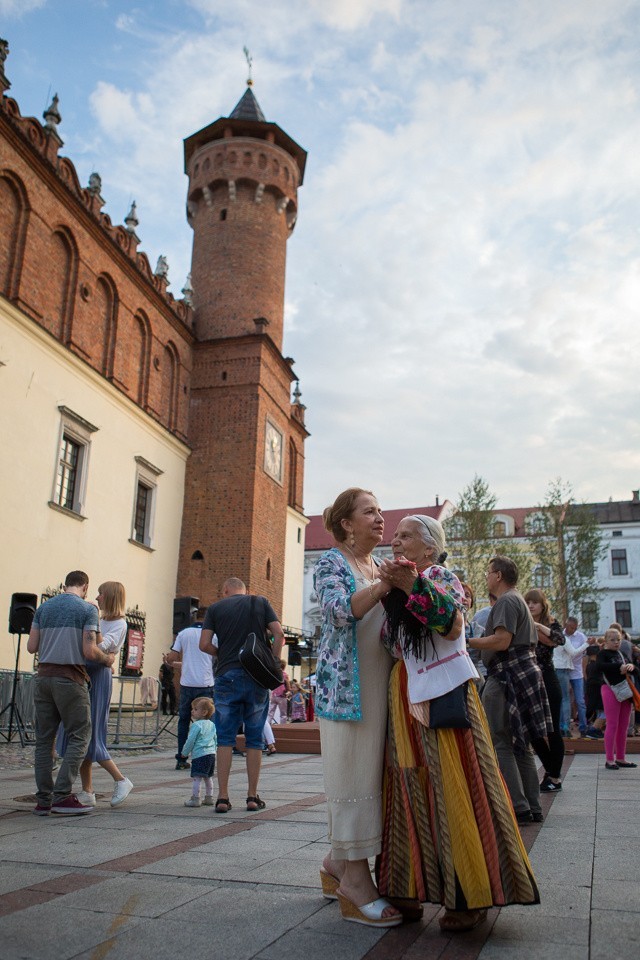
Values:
[(364, 573)]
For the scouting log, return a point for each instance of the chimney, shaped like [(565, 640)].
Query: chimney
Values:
[(437, 500), (635, 496)]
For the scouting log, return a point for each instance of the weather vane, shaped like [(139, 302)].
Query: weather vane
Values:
[(249, 60)]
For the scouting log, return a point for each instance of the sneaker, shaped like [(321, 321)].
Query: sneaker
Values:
[(209, 802), (548, 785), (70, 806), (121, 791), (41, 809), (538, 817), (594, 734), (86, 799), (193, 802)]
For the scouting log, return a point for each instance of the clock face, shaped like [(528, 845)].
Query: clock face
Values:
[(273, 451)]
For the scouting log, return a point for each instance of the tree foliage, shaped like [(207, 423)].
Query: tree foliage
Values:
[(566, 541)]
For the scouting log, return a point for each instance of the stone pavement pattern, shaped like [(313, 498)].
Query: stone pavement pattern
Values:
[(154, 879)]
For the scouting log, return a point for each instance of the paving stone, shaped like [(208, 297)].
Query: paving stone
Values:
[(135, 896), (539, 950), (621, 895), (524, 927), (45, 931), (14, 876), (614, 934)]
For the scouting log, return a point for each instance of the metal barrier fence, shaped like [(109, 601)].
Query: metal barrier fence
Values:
[(134, 719)]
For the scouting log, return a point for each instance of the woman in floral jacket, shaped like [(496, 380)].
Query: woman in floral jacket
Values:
[(352, 677)]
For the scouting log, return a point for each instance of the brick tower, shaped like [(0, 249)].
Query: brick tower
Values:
[(245, 473)]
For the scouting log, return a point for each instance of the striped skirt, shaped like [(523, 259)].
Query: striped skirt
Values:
[(450, 835)]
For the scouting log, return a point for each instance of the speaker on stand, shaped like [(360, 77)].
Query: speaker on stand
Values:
[(23, 607)]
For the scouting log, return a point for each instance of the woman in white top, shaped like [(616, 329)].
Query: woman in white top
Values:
[(450, 835), (113, 631)]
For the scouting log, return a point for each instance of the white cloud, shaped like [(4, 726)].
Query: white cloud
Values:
[(15, 9), (463, 281)]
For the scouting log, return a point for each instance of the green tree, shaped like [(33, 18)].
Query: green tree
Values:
[(566, 542), (472, 538)]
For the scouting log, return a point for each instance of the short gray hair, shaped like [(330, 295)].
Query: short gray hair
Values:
[(432, 534)]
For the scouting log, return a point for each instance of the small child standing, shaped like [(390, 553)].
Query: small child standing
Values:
[(298, 704), (201, 744)]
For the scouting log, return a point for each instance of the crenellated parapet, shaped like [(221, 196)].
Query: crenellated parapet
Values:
[(46, 142)]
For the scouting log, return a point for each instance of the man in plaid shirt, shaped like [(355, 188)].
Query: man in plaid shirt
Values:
[(514, 696)]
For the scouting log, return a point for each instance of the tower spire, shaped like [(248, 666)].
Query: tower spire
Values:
[(249, 60)]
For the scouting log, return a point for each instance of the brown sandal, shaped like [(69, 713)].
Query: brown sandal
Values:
[(223, 805), (461, 921), (255, 803)]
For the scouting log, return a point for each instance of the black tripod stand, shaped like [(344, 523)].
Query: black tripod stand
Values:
[(12, 707)]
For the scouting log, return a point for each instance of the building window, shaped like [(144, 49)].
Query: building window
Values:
[(623, 613), (542, 576), (142, 517), (619, 563), (616, 533), (144, 506), (590, 615), (499, 528), (536, 524), (70, 482)]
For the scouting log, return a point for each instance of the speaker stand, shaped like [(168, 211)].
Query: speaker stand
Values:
[(14, 710)]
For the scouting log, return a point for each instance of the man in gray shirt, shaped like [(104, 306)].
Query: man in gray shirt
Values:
[(65, 632), (514, 696)]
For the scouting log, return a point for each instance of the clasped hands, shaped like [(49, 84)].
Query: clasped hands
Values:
[(398, 572)]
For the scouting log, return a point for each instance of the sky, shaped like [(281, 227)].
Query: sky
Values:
[(463, 282)]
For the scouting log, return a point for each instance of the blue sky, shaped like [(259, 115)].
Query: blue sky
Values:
[(463, 283)]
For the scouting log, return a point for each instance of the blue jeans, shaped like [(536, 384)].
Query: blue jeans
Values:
[(239, 699), (187, 696), (566, 683)]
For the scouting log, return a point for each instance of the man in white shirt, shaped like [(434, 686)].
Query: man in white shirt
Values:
[(568, 663), (196, 676)]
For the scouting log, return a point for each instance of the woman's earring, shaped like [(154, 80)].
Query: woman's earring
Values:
[(352, 540)]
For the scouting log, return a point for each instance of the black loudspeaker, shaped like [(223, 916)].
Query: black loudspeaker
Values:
[(23, 607), (295, 658), (182, 607)]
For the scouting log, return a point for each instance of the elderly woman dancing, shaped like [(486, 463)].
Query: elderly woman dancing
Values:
[(352, 678), (450, 834)]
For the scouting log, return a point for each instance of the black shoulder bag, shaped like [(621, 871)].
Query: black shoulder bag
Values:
[(257, 659)]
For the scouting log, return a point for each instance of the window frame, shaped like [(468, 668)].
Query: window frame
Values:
[(78, 431), (623, 615), (619, 561), (146, 476), (590, 607)]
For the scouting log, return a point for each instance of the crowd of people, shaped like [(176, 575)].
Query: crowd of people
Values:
[(430, 719)]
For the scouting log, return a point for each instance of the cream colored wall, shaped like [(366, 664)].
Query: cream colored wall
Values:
[(40, 544), (293, 570)]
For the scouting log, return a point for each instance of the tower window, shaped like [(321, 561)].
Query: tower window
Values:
[(197, 555), (224, 374), (268, 569), (223, 214)]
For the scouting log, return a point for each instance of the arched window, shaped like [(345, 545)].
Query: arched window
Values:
[(170, 364), (293, 475), (141, 356), (107, 298), (62, 269), (542, 576), (499, 528), (14, 214)]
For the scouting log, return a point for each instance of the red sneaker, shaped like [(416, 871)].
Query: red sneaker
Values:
[(41, 810), (71, 805)]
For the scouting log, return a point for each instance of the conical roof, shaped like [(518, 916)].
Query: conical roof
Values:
[(247, 108)]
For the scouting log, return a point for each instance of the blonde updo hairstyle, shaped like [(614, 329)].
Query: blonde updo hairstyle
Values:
[(342, 509)]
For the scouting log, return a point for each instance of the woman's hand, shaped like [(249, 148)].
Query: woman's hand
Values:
[(544, 635), (626, 668), (399, 573)]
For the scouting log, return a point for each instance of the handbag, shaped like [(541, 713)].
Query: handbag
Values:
[(450, 710), (622, 691), (257, 659)]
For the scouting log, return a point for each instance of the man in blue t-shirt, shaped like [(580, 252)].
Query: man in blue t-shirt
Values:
[(64, 634)]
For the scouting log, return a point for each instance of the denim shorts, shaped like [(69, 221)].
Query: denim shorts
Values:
[(239, 699)]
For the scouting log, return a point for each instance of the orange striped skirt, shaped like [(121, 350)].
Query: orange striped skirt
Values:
[(450, 835)]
